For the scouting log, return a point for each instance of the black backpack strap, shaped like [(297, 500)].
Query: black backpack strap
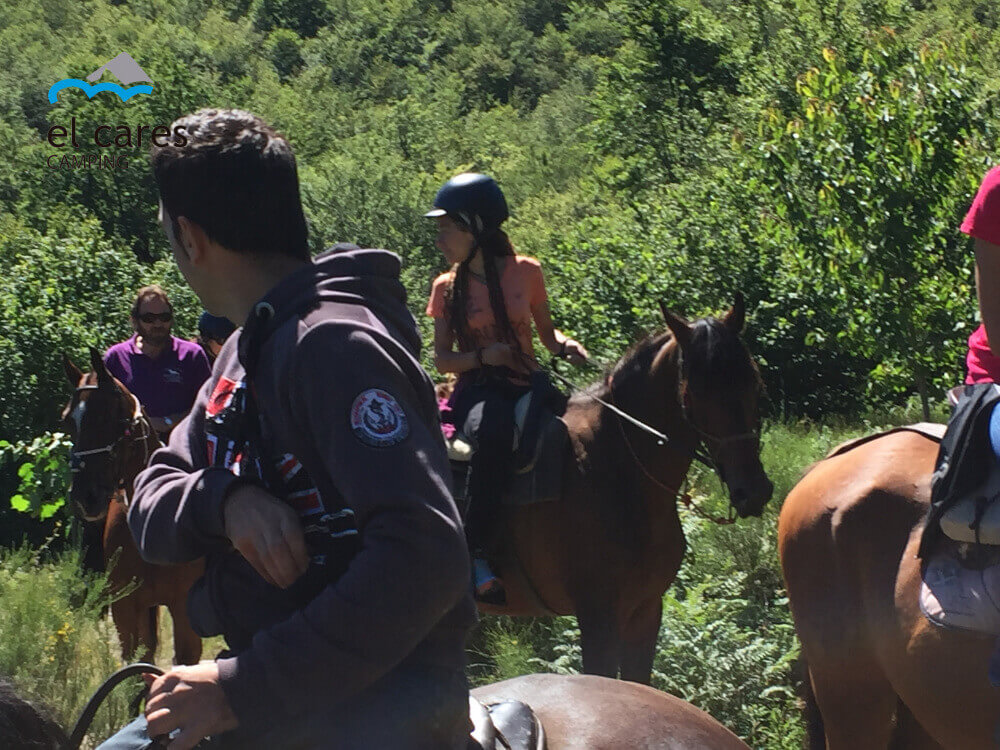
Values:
[(964, 456)]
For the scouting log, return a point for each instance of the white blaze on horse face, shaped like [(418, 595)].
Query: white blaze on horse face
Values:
[(77, 415)]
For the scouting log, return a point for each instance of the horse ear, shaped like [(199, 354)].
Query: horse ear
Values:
[(73, 373), (98, 366), (677, 325), (736, 318)]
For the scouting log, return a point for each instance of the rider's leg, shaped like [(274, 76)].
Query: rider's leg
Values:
[(490, 465)]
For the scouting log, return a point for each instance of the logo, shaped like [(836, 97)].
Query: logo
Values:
[(221, 397), (122, 67), (114, 142), (378, 420)]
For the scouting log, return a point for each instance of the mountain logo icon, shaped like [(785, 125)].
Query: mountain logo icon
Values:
[(122, 67)]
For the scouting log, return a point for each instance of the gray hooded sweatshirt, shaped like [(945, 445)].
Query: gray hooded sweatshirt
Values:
[(350, 420)]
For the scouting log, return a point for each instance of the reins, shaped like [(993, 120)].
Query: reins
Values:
[(90, 710), (661, 440)]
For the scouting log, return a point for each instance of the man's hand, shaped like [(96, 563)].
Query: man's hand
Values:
[(189, 699), (267, 533)]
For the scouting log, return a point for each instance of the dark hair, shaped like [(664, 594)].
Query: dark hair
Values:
[(492, 244), (153, 290), (215, 327), (235, 177)]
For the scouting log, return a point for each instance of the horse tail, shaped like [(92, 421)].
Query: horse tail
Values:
[(815, 731)]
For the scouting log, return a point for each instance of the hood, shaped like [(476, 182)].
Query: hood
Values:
[(345, 274)]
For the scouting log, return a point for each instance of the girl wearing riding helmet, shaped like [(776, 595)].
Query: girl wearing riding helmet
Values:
[(483, 310)]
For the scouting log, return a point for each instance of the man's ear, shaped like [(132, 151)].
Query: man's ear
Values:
[(193, 241)]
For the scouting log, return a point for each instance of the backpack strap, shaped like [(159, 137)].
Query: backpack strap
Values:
[(963, 459)]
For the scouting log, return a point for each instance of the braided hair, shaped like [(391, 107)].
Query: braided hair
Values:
[(493, 244)]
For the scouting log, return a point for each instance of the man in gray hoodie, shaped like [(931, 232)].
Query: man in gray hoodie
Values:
[(311, 474)]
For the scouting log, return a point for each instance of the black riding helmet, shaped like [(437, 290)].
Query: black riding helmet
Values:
[(474, 198)]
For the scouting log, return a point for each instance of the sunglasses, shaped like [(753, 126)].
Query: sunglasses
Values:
[(164, 317)]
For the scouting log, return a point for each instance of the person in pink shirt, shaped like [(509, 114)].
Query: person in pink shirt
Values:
[(483, 310), (982, 223)]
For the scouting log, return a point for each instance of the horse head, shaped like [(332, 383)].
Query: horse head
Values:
[(719, 389), (104, 420)]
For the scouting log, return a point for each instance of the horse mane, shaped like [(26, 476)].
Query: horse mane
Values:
[(715, 359)]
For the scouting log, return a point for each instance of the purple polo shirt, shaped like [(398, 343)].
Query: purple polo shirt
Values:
[(165, 385)]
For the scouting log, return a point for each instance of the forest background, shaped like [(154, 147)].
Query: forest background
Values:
[(819, 156)]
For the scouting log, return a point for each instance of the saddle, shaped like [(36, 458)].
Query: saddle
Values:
[(510, 725), (540, 439), (960, 544)]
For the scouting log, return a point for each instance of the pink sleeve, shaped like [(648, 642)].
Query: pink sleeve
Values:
[(435, 305), (983, 219)]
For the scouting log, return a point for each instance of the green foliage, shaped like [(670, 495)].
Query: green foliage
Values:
[(868, 177), (43, 473), (61, 292)]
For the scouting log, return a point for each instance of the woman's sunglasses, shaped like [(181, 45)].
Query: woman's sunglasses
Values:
[(164, 317)]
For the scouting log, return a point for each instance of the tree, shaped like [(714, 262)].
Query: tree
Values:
[(868, 178)]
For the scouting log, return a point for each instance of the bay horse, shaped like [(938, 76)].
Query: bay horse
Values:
[(112, 442), (577, 712), (880, 673), (612, 544), (586, 712)]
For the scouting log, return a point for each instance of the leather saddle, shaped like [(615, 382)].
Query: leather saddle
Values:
[(460, 447), (510, 725)]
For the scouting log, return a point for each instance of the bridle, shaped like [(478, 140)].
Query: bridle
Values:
[(137, 429), (709, 439)]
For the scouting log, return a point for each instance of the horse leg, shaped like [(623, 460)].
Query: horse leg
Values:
[(857, 704), (638, 643), (599, 640), (133, 623), (187, 643)]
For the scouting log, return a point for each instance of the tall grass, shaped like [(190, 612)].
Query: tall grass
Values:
[(55, 643)]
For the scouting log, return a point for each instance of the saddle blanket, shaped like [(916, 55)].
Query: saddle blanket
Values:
[(954, 595)]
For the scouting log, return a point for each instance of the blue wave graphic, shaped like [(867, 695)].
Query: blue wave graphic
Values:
[(90, 89)]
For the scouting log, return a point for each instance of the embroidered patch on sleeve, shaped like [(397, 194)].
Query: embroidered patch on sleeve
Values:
[(378, 420)]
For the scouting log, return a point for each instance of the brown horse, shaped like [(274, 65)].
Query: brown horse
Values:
[(583, 712), (112, 441), (611, 545), (882, 675)]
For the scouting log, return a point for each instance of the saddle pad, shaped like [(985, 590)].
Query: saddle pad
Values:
[(954, 596), (930, 430)]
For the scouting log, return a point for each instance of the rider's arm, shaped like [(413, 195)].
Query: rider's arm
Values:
[(412, 567), (551, 337), (176, 510), (988, 289), (982, 222), (446, 359)]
